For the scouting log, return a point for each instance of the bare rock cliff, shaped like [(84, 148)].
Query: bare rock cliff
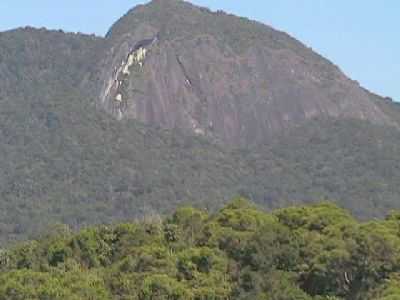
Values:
[(176, 65)]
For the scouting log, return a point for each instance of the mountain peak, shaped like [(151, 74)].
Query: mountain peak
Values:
[(223, 76), (159, 13), (167, 2)]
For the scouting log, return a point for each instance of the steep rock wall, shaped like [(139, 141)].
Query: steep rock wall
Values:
[(200, 82)]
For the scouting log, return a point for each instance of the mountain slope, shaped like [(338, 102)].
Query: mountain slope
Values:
[(66, 162), (351, 161), (36, 63), (219, 75)]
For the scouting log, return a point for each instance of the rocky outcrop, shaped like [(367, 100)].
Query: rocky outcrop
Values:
[(218, 75), (115, 89)]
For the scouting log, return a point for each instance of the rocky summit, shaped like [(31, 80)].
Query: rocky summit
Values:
[(176, 65)]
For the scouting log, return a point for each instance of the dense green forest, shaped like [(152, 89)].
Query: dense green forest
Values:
[(240, 252), (64, 161)]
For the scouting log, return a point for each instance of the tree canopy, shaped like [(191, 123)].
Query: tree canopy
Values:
[(313, 252)]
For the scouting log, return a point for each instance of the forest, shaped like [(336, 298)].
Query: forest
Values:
[(317, 251)]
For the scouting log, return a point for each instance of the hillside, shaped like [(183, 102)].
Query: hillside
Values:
[(316, 252), (222, 76), (38, 63), (63, 161), (351, 161), (77, 166), (70, 155)]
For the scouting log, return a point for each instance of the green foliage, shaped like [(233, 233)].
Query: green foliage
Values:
[(316, 252), (182, 20), (75, 285), (350, 161), (388, 291), (162, 287)]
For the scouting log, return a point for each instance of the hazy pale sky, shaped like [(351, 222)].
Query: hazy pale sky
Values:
[(361, 36)]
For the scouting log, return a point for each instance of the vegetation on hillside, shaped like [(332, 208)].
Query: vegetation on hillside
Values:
[(63, 160), (351, 161), (38, 63), (241, 252), (183, 20)]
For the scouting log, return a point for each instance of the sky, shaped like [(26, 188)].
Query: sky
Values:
[(362, 37)]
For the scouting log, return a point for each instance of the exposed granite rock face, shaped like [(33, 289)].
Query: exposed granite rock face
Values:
[(219, 75)]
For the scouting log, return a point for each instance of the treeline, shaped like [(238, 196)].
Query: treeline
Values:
[(241, 252)]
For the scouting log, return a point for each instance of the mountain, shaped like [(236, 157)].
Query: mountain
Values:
[(179, 105), (219, 75), (38, 63)]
